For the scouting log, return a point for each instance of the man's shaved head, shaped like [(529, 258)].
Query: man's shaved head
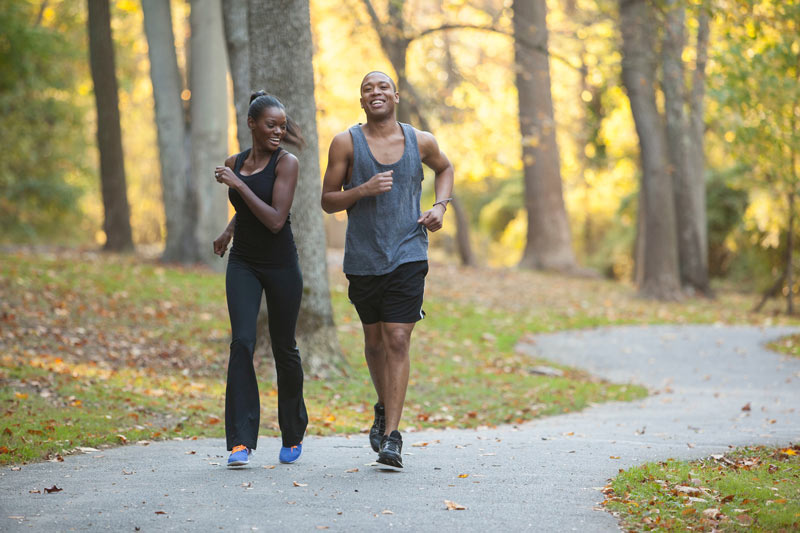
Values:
[(394, 86)]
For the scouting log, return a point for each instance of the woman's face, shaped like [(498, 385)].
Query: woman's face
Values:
[(270, 128)]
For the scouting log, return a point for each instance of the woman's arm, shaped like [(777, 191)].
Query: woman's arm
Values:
[(272, 216)]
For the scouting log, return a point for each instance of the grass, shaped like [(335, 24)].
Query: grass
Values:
[(95, 346), (789, 345), (749, 489)]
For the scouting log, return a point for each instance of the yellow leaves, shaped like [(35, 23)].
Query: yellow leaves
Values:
[(789, 451), (21, 395)]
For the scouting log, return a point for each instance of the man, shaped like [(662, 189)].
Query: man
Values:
[(375, 173)]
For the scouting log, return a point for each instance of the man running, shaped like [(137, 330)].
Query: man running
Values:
[(375, 173)]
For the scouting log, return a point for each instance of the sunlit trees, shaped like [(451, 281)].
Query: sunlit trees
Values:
[(757, 84)]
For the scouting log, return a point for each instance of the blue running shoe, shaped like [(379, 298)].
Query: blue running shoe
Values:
[(240, 455), (290, 454)]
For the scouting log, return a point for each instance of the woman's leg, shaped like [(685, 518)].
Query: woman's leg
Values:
[(242, 408), (284, 288)]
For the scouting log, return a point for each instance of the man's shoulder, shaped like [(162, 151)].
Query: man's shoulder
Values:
[(343, 142), (425, 140)]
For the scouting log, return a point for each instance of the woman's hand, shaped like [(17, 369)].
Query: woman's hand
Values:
[(221, 243), (227, 177)]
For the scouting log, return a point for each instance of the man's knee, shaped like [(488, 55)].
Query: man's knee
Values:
[(397, 341)]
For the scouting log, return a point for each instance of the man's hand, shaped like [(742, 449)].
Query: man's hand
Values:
[(221, 243), (432, 218), (378, 184)]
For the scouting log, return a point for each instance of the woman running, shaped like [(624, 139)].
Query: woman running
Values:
[(261, 183)]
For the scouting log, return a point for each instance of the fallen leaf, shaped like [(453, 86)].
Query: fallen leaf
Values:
[(122, 438), (52, 489), (690, 510), (419, 444), (687, 490), (613, 456), (269, 467), (86, 449), (386, 511), (190, 452), (34, 491), (746, 407), (213, 420), (322, 527), (21, 395), (744, 519), (463, 475), (296, 484), (161, 512), (453, 506), (351, 471), (712, 513), (789, 451), (126, 473)]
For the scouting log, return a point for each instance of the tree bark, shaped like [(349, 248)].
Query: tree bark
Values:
[(208, 81), (692, 256), (172, 132), (280, 61), (697, 130), (117, 223), (660, 274), (549, 243), (234, 14)]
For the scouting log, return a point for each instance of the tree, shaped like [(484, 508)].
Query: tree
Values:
[(289, 76), (117, 225), (687, 176), (549, 243), (234, 16), (41, 105), (658, 242), (173, 137), (208, 82), (758, 88)]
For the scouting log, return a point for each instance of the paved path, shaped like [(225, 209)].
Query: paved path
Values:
[(541, 476)]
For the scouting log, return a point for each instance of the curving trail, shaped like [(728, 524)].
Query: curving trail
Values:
[(540, 476)]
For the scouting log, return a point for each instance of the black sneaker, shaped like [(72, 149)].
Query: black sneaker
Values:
[(391, 450), (378, 428)]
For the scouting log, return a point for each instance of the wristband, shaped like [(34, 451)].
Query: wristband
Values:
[(443, 202)]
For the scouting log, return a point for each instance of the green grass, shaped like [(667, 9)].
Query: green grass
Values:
[(144, 347), (789, 345), (750, 489)]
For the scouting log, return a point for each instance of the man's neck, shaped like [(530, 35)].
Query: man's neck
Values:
[(382, 127)]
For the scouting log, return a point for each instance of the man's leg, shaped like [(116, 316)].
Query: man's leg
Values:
[(375, 354), (396, 343)]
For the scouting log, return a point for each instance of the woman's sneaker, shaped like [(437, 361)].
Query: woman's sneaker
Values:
[(290, 454), (378, 428), (391, 450), (240, 455)]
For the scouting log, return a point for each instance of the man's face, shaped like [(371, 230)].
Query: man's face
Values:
[(378, 95)]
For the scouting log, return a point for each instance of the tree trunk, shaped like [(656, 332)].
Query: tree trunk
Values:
[(208, 81), (789, 256), (237, 34), (280, 61), (462, 234), (692, 257), (171, 129), (549, 244), (697, 130), (660, 275), (117, 218)]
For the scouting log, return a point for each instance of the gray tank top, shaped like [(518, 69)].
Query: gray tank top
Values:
[(382, 231)]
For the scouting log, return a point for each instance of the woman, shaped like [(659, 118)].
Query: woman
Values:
[(261, 183)]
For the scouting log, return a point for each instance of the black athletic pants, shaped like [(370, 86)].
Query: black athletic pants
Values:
[(283, 287)]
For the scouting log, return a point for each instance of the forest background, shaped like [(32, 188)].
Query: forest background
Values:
[(465, 87)]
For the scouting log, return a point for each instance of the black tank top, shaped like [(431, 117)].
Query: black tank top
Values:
[(252, 240)]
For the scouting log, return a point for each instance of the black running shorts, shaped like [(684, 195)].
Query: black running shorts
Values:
[(393, 297)]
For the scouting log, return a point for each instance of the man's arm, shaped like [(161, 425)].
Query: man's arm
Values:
[(340, 155), (434, 158)]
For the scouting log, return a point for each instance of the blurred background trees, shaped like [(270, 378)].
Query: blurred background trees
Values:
[(672, 157)]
